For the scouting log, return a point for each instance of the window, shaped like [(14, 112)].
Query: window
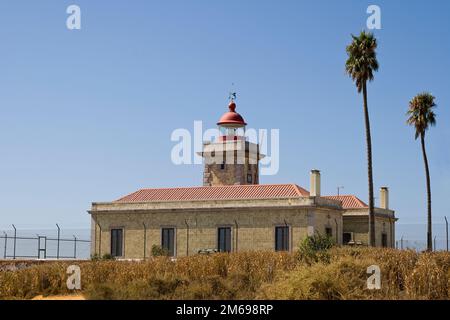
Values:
[(168, 240), (222, 166), (224, 239), (347, 237), (116, 242), (249, 178), (329, 232), (282, 238), (384, 240)]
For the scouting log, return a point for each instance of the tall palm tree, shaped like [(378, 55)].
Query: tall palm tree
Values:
[(360, 66), (421, 116)]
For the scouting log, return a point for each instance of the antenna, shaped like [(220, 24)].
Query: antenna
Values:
[(338, 189)]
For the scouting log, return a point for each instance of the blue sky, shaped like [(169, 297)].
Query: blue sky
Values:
[(86, 115)]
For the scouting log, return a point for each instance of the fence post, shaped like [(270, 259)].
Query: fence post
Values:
[(57, 245), (401, 242), (38, 246), (15, 238), (6, 242), (446, 231), (434, 243), (75, 247)]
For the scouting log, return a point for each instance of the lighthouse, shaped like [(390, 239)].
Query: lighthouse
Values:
[(232, 159)]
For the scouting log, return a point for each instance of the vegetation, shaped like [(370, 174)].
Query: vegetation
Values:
[(315, 248), (360, 66), (106, 256), (158, 251), (421, 116), (338, 274)]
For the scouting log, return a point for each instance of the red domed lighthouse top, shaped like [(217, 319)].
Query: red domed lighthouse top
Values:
[(231, 117)]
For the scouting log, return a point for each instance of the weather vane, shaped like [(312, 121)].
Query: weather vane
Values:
[(232, 95)]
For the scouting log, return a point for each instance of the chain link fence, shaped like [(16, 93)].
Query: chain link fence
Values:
[(45, 244), (60, 243), (414, 236)]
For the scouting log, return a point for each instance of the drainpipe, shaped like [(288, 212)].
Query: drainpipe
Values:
[(237, 233), (337, 231), (392, 232), (187, 237), (145, 239), (100, 240), (95, 239)]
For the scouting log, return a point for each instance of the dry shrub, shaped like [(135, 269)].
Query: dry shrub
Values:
[(244, 275), (344, 278), (429, 278), (38, 279), (139, 289)]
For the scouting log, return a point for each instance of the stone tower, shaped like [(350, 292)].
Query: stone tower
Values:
[(232, 159)]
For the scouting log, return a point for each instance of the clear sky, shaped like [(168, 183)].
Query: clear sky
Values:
[(86, 115)]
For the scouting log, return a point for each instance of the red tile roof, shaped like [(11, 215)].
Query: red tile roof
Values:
[(231, 192), (349, 201)]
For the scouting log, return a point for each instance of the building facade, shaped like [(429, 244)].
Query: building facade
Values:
[(231, 212)]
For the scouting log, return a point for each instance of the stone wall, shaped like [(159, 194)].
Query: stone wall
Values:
[(252, 229), (359, 226)]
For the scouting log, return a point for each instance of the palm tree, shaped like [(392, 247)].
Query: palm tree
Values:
[(360, 66), (421, 116)]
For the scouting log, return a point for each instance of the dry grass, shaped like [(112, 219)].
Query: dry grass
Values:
[(341, 274)]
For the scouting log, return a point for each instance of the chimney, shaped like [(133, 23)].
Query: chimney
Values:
[(315, 183), (384, 198)]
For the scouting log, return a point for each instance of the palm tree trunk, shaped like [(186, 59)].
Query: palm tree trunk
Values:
[(427, 173), (369, 169)]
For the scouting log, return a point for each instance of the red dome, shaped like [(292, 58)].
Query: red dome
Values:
[(231, 117)]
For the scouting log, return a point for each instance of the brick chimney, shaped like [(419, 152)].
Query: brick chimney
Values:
[(315, 183), (384, 198)]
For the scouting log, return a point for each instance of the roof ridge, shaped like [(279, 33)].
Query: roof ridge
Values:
[(299, 189), (348, 196), (226, 186), (343, 195)]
